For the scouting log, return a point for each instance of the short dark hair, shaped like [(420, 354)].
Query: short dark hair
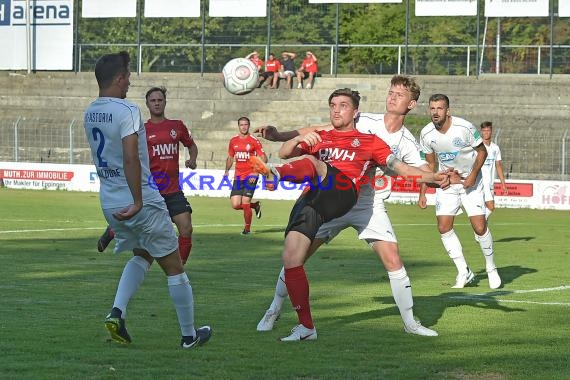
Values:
[(486, 124), (109, 66), (439, 97), (244, 118), (353, 95), (154, 89)]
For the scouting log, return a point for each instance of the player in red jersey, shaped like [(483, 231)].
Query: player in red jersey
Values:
[(163, 139), (336, 163), (240, 149)]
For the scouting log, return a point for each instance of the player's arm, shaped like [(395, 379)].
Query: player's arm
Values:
[(271, 133), (291, 148), (192, 156), (229, 163), (501, 175), (477, 165), (422, 199), (413, 173), (132, 168)]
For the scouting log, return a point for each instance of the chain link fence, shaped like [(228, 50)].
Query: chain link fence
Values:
[(527, 154)]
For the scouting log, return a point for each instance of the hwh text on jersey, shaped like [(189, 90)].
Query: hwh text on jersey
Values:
[(164, 149), (336, 154)]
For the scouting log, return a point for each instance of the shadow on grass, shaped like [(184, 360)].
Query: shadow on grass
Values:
[(515, 238)]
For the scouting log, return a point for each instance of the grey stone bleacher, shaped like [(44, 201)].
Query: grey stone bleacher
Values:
[(520, 105)]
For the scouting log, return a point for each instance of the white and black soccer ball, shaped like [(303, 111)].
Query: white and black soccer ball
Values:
[(240, 76)]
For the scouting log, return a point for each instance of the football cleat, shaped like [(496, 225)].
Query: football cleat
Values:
[(105, 239), (258, 210), (245, 232), (268, 320), (494, 279), (463, 279), (269, 172), (117, 328), (418, 329), (203, 335), (299, 333)]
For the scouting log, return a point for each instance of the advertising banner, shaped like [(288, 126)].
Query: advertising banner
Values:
[(554, 195), (172, 8), (446, 7), (563, 8), (108, 8), (51, 35), (238, 8), (516, 8)]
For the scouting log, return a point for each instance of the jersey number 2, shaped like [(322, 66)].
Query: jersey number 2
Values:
[(98, 136)]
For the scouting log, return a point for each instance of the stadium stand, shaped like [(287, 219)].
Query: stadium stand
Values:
[(530, 113)]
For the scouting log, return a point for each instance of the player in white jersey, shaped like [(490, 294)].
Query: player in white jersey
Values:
[(457, 144), (492, 163), (369, 216), (136, 213)]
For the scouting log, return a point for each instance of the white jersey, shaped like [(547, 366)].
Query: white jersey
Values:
[(403, 145), (107, 121), (489, 167), (454, 148)]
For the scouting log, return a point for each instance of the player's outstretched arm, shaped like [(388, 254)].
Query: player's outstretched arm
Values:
[(269, 132)]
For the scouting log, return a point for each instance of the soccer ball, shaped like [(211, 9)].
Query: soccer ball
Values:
[(240, 76)]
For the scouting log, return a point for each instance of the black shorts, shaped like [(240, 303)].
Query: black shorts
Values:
[(333, 197), (244, 187), (177, 204)]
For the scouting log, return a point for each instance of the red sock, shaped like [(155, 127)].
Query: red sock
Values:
[(184, 246), (298, 289), (247, 215), (298, 171)]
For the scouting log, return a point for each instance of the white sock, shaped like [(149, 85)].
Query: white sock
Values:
[(486, 244), (181, 294), (133, 275), (454, 250), (402, 292), (280, 292), (487, 213)]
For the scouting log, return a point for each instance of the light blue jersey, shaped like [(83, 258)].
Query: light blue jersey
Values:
[(107, 121), (454, 148)]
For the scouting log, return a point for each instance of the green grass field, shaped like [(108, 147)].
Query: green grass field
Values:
[(56, 290)]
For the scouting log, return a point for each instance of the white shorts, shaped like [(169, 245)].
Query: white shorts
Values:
[(151, 229), (488, 193), (285, 74), (449, 201), (371, 222)]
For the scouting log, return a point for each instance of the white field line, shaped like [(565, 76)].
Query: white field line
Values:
[(102, 228), (491, 296)]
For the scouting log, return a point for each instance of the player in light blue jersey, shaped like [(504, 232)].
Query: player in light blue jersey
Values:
[(457, 144), (135, 211), (492, 168)]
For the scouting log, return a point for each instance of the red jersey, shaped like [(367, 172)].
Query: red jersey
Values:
[(310, 65), (240, 148), (272, 66), (352, 152), (257, 62), (163, 141)]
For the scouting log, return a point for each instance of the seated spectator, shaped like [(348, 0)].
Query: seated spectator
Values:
[(287, 69), (254, 57), (308, 70), (272, 66)]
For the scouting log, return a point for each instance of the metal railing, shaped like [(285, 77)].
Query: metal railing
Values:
[(442, 59)]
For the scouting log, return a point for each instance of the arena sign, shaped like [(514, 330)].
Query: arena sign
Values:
[(50, 42)]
